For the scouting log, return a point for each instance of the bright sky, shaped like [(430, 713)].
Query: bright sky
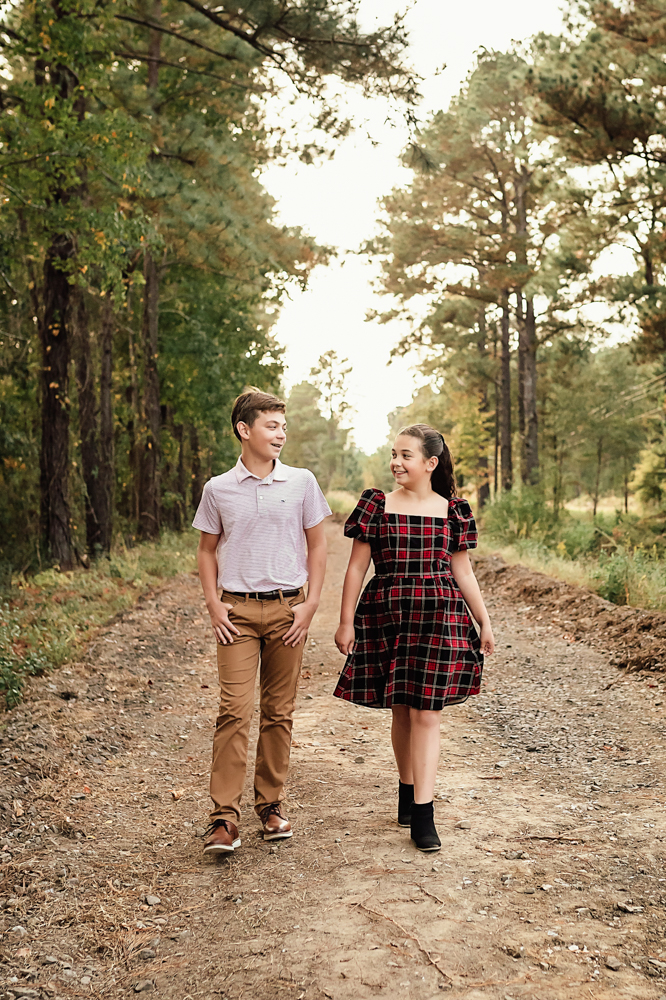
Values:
[(337, 202)]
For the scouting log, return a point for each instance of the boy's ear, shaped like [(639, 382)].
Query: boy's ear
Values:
[(243, 430)]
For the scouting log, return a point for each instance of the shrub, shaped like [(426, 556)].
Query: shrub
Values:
[(519, 514), (612, 576)]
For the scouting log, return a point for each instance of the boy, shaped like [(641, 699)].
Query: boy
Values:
[(254, 522)]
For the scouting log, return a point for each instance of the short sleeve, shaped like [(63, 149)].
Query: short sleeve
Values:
[(315, 507), (363, 520), (463, 525), (207, 517)]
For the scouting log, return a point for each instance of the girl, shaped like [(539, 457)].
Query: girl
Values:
[(412, 646)]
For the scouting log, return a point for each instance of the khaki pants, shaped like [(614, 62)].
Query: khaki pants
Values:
[(262, 626)]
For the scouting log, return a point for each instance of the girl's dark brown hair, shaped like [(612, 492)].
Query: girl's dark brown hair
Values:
[(433, 444)]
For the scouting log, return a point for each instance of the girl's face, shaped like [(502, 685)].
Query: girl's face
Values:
[(408, 463)]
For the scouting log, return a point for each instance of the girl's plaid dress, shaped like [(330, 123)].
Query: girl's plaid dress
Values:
[(416, 643)]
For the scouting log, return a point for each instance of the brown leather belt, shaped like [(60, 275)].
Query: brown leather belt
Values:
[(267, 595)]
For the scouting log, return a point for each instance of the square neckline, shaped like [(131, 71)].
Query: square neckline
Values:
[(421, 517)]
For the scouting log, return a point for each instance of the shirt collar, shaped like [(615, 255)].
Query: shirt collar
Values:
[(279, 473)]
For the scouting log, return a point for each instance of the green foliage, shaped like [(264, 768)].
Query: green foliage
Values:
[(520, 514), (597, 409), (132, 139)]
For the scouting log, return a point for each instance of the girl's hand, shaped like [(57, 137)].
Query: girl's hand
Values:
[(345, 638), (487, 640)]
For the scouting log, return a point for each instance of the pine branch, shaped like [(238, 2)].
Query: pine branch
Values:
[(154, 26), (251, 39), (141, 57)]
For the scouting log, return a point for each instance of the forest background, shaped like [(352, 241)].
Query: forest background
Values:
[(142, 268)]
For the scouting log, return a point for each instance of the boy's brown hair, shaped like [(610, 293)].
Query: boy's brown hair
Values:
[(250, 404)]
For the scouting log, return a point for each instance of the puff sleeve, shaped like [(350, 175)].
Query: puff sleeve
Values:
[(363, 520), (463, 526)]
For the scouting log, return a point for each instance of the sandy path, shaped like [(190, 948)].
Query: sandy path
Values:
[(550, 883)]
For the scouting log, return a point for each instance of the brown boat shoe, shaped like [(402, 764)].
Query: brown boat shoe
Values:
[(275, 825), (222, 837)]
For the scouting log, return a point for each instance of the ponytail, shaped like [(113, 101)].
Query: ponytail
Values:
[(433, 444)]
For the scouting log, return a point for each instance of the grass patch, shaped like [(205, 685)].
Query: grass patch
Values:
[(45, 618), (621, 557), (635, 578)]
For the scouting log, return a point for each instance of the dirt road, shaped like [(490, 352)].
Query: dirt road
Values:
[(550, 883)]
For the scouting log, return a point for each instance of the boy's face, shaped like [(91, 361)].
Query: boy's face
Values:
[(267, 435)]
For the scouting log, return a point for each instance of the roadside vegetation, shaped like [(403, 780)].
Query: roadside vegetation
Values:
[(47, 616), (619, 555)]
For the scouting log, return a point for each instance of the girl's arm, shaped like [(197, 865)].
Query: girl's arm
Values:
[(359, 561), (463, 574)]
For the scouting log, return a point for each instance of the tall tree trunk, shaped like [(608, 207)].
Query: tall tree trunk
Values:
[(496, 482), (483, 488), (530, 438), (597, 477), (133, 425), (506, 462), (527, 346), (54, 332), (520, 318), (85, 379), (197, 471), (106, 456), (54, 452), (149, 475), (558, 461), (181, 512)]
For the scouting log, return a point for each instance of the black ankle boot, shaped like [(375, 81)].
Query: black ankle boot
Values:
[(423, 829), (405, 803)]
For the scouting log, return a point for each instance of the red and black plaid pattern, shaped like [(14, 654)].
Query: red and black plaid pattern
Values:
[(416, 643)]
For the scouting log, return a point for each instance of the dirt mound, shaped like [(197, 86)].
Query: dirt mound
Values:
[(636, 638)]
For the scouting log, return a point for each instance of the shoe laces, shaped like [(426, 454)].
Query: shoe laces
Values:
[(270, 810), (214, 826)]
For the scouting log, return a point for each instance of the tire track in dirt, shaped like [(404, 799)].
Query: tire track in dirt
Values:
[(550, 883)]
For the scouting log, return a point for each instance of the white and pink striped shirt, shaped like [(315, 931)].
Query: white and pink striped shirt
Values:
[(261, 524)]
